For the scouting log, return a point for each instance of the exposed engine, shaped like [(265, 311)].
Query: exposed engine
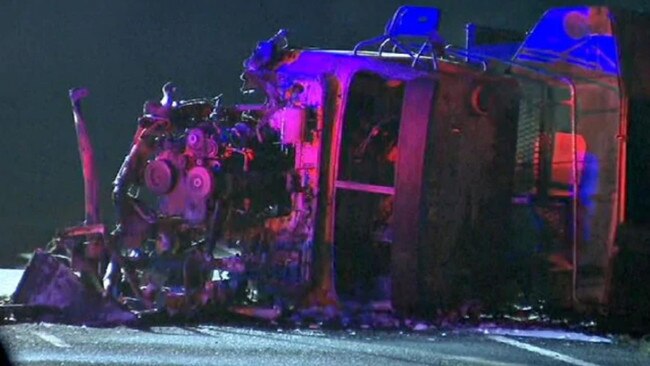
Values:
[(212, 154), (200, 176)]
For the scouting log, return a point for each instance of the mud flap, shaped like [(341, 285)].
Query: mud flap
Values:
[(48, 283)]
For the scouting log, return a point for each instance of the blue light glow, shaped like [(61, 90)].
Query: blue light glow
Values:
[(579, 36), (414, 21)]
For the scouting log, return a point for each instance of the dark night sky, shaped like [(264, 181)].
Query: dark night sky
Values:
[(123, 51)]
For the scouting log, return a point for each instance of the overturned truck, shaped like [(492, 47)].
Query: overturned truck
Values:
[(405, 170)]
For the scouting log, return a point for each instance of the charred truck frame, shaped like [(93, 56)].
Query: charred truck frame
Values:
[(404, 170)]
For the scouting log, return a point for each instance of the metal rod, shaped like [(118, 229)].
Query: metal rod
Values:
[(86, 230), (361, 187), (86, 154), (574, 201)]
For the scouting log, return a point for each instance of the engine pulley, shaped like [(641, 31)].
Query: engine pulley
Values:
[(159, 176), (200, 182), (196, 140)]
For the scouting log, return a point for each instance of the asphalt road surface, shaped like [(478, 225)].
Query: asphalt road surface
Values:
[(47, 344)]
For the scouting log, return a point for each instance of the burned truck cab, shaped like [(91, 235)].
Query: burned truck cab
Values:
[(411, 171), (408, 162)]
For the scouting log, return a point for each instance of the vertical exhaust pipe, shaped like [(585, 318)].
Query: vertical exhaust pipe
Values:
[(89, 170), (90, 259)]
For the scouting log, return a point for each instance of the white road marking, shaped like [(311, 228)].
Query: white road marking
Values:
[(544, 334), (541, 351), (51, 339)]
